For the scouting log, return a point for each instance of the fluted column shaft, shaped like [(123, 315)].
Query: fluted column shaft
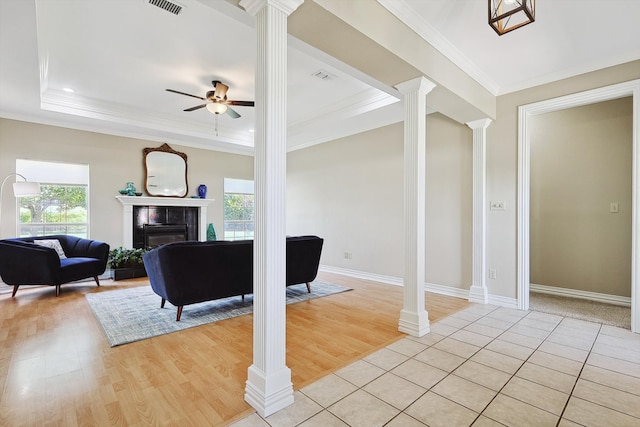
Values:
[(478, 291), (414, 319), (269, 386)]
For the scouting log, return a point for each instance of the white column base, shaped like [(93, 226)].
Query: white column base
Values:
[(414, 324), (278, 396), (478, 294)]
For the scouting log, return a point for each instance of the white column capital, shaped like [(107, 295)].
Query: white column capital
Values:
[(286, 6), (420, 84), (479, 124)]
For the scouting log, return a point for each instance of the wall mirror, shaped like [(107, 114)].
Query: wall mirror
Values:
[(165, 172)]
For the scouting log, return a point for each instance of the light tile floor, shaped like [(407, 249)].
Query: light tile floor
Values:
[(483, 366)]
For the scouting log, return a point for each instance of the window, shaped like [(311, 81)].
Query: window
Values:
[(238, 209), (62, 208)]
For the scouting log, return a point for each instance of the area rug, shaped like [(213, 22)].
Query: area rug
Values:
[(134, 314), (607, 314)]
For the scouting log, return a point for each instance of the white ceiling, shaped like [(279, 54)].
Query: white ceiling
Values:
[(121, 55)]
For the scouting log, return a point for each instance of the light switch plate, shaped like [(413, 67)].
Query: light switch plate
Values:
[(614, 207)]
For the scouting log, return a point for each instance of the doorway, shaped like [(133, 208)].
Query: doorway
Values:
[(526, 113)]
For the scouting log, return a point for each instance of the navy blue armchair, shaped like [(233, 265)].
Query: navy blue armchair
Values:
[(23, 262)]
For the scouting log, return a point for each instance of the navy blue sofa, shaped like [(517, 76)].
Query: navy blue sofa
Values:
[(22, 262), (186, 273)]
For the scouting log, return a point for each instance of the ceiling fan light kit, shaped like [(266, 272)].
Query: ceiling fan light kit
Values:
[(508, 15), (217, 108)]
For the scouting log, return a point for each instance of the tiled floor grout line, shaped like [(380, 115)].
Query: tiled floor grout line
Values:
[(566, 404)]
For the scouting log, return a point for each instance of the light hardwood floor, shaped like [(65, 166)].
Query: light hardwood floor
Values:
[(56, 368)]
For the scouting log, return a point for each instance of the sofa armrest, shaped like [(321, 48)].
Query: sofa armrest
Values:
[(153, 267), (24, 263), (303, 259)]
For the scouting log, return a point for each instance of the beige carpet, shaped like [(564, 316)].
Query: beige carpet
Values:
[(592, 311)]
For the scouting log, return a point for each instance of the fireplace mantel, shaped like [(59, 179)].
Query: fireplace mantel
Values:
[(128, 202)]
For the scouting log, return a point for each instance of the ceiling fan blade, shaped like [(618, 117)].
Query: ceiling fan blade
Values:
[(182, 93), (241, 103), (197, 107), (233, 113)]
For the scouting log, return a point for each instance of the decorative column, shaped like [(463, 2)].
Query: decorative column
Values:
[(478, 291), (414, 319), (269, 386)]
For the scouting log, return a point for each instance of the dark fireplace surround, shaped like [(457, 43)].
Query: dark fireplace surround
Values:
[(156, 225)]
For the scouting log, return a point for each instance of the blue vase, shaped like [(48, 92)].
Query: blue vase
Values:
[(202, 191)]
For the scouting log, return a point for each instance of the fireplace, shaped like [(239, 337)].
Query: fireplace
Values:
[(159, 234), (155, 225), (138, 211)]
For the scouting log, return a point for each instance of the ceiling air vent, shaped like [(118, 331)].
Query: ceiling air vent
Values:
[(323, 75), (167, 5)]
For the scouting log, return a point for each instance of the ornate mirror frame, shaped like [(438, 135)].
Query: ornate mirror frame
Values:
[(165, 172)]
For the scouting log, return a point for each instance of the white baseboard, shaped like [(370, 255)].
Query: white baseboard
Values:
[(446, 290), (428, 287), (503, 301), (576, 293), (390, 280)]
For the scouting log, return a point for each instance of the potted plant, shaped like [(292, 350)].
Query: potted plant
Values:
[(126, 263)]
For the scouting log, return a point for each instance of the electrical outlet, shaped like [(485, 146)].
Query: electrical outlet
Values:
[(348, 255), (497, 206), (492, 273)]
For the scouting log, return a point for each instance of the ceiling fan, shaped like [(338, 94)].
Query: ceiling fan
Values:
[(216, 100)]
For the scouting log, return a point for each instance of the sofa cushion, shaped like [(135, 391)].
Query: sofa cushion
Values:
[(79, 267)]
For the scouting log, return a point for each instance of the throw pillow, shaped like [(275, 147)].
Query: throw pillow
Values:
[(53, 244)]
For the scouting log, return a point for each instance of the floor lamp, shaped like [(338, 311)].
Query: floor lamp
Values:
[(20, 189)]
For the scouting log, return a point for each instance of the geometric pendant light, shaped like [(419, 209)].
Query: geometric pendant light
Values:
[(507, 15)]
